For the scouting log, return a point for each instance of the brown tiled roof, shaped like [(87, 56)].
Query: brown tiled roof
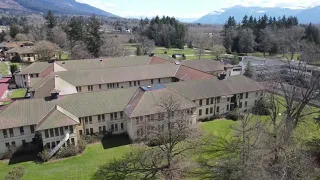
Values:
[(22, 50), (205, 65), (149, 102), (185, 73), (207, 88), (36, 67)]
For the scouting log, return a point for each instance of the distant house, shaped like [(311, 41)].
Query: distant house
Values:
[(24, 53), (4, 28), (7, 45)]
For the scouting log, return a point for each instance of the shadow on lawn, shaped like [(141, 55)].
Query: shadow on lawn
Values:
[(112, 141), (24, 157)]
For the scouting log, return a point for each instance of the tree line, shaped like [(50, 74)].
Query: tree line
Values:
[(267, 34)]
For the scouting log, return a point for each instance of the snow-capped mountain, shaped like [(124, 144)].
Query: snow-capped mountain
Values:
[(305, 15)]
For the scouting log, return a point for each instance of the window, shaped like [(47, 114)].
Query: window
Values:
[(208, 100), (200, 102), (103, 118), (5, 135), (100, 86), (245, 104), (57, 131), (79, 89), (99, 118), (111, 116), (32, 129), (31, 75), (91, 130), (21, 131), (90, 88), (86, 120), (207, 111), (116, 127), (51, 133), (228, 99), (104, 128), (122, 127), (211, 110), (24, 142), (71, 129), (138, 83), (218, 99), (80, 132), (241, 96), (7, 145), (151, 81), (247, 95), (61, 131), (46, 133), (200, 112), (13, 143), (87, 132), (218, 109), (159, 80), (100, 129), (211, 100), (37, 75), (53, 144), (134, 83), (228, 107), (112, 127), (121, 115), (115, 115), (130, 84), (72, 141), (117, 85), (11, 132), (240, 105)]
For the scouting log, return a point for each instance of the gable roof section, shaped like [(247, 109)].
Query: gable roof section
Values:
[(31, 112), (185, 73), (207, 88), (102, 63), (119, 74), (149, 102), (56, 118), (43, 87), (36, 67), (205, 65), (22, 50)]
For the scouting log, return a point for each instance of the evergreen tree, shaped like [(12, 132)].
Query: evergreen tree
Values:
[(94, 40), (76, 30), (247, 40), (14, 30), (248, 70), (51, 20)]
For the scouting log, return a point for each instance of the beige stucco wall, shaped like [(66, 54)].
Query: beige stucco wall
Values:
[(64, 87), (58, 137), (57, 68), (133, 124), (126, 84), (17, 138)]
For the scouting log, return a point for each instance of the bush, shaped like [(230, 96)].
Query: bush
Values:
[(45, 155), (68, 151), (81, 145), (15, 174), (93, 138), (234, 115)]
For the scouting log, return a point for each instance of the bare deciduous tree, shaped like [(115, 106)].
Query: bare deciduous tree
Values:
[(173, 140), (267, 39), (59, 37), (80, 51), (293, 38), (201, 42), (46, 50), (218, 50), (21, 37)]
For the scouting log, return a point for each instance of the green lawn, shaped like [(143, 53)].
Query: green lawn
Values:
[(64, 56), (4, 69), (186, 51), (202, 57), (19, 93)]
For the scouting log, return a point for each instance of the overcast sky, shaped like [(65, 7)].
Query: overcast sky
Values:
[(186, 8)]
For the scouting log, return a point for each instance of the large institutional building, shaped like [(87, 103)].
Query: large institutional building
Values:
[(118, 95)]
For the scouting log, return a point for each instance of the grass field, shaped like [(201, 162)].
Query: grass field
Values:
[(186, 51), (5, 67), (18, 93)]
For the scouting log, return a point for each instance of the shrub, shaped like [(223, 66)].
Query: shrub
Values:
[(68, 151), (93, 138), (81, 145), (234, 115), (15, 174), (45, 155)]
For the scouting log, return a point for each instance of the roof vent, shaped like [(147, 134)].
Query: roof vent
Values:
[(56, 75), (148, 86), (63, 62), (177, 63), (100, 60)]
